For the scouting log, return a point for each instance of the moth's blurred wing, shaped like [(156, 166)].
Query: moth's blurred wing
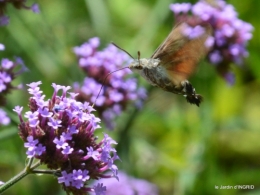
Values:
[(180, 55)]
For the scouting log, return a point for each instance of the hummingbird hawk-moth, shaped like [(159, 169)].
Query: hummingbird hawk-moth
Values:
[(174, 61)]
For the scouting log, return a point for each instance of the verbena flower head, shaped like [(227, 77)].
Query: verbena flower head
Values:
[(119, 89), (8, 72), (230, 34), (18, 4), (60, 133), (126, 185)]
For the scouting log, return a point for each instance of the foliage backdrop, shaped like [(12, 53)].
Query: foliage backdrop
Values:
[(181, 148)]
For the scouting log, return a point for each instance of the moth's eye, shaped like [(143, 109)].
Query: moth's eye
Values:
[(139, 67)]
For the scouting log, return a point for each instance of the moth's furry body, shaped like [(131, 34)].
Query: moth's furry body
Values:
[(155, 74)]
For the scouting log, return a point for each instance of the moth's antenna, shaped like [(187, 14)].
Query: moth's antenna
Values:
[(105, 81), (138, 57), (122, 50)]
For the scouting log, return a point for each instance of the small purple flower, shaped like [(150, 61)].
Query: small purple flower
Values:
[(6, 63), (45, 112), (40, 149), (5, 77), (67, 150), (77, 184), (178, 8), (228, 30), (60, 143), (4, 119), (66, 136), (54, 123), (215, 57), (33, 85), (33, 122), (35, 91), (35, 8), (31, 145), (100, 189), (72, 130), (65, 178), (18, 109), (210, 42), (4, 20), (31, 115), (80, 175), (193, 32), (63, 139), (2, 47), (31, 142), (94, 154), (230, 78)]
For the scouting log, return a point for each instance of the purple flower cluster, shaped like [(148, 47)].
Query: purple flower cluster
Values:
[(119, 89), (18, 4), (127, 185), (60, 133), (231, 34), (8, 74)]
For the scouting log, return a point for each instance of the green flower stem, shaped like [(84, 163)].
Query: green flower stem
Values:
[(28, 170), (28, 166)]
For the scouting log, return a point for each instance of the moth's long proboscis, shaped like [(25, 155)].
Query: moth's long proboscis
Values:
[(104, 83)]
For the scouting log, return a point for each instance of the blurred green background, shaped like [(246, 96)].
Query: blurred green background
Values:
[(181, 148)]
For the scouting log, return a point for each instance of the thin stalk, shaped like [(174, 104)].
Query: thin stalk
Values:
[(21, 175)]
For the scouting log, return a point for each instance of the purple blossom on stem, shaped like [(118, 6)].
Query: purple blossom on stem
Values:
[(4, 20), (91, 153), (100, 189), (33, 147), (40, 149), (54, 123), (67, 150), (119, 89), (2, 47), (73, 130), (33, 122), (45, 112), (60, 143), (18, 110), (31, 115), (230, 34), (65, 178), (35, 8), (63, 139), (4, 119)]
